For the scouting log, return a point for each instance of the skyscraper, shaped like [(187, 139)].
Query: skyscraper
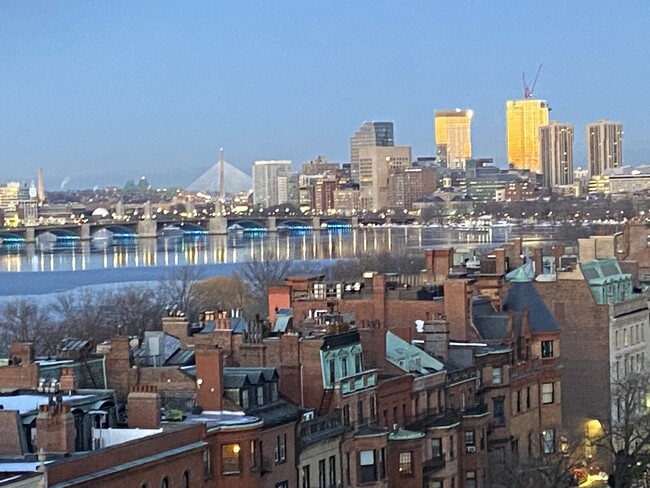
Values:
[(266, 184), (604, 146), (375, 164), (556, 150), (453, 137), (523, 120), (369, 134)]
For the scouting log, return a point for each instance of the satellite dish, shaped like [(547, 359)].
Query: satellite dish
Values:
[(419, 325)]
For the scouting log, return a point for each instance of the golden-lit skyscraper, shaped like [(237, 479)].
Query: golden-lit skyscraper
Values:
[(453, 130), (523, 120)]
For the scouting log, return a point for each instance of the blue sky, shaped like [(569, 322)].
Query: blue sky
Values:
[(102, 92)]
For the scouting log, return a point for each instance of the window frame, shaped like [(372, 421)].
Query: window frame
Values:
[(405, 463), (546, 399)]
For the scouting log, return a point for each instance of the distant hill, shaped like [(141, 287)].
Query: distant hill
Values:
[(236, 180)]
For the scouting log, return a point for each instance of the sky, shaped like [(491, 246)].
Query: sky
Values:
[(99, 92)]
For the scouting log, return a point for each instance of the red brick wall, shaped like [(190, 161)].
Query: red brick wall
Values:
[(209, 371), (10, 426), (144, 407), (401, 479), (394, 398)]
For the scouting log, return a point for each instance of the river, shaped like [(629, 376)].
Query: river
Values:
[(65, 264)]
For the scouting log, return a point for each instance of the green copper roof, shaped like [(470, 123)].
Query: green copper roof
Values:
[(522, 274), (404, 435)]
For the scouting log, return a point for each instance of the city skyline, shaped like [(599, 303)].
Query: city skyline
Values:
[(101, 94)]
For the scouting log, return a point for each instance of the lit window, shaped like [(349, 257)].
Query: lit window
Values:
[(230, 458), (548, 441), (405, 463), (547, 393), (436, 448)]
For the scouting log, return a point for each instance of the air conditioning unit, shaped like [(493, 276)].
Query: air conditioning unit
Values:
[(471, 448)]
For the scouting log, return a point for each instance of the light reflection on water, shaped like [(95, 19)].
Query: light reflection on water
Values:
[(123, 252)]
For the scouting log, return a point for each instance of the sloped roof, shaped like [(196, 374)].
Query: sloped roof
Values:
[(523, 296), (491, 324), (410, 358)]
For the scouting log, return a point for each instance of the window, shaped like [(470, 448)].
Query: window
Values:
[(497, 376), (253, 460), (358, 363), (548, 441), (332, 467), (360, 412), (547, 393), (547, 349), (260, 395), (518, 407), (274, 392), (451, 447), (164, 483), (372, 465), (332, 371), (344, 367), (470, 479), (368, 471), (282, 484), (469, 437), (281, 449), (436, 448), (405, 463), (435, 484), (206, 464), (347, 468), (528, 398), (321, 473), (305, 477), (186, 479), (244, 398), (230, 458), (346, 415), (373, 409)]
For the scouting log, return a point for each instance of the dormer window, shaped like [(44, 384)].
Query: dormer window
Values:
[(547, 349), (260, 395), (274, 392), (244, 398)]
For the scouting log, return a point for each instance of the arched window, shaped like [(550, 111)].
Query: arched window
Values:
[(186, 479), (164, 483)]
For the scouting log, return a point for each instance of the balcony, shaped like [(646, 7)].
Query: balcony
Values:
[(432, 465), (323, 427), (359, 381)]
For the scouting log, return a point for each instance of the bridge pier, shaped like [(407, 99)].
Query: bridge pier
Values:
[(273, 224), (218, 226), (85, 232), (315, 223), (30, 235), (354, 222), (147, 229)]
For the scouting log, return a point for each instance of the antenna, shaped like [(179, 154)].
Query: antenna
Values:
[(222, 182), (528, 91)]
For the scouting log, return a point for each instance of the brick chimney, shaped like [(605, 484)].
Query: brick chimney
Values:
[(538, 259), (118, 366), (438, 262), (436, 339), (379, 298), (143, 407), (209, 377), (55, 431), (68, 380), (177, 327), (21, 353)]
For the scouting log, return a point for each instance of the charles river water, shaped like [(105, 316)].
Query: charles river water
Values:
[(54, 267)]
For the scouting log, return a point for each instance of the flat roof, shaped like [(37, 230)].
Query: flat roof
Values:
[(26, 403)]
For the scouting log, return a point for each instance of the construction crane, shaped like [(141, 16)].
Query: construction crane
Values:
[(528, 91)]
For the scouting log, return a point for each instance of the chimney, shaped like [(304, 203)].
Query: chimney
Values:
[(143, 407), (209, 376), (177, 327), (55, 431), (558, 252), (436, 339), (21, 353), (379, 298), (538, 259), (118, 366), (68, 380), (500, 259)]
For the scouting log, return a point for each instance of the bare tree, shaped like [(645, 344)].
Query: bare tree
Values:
[(83, 314), (23, 320), (627, 436), (222, 293), (556, 469), (134, 310), (177, 288), (384, 262)]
